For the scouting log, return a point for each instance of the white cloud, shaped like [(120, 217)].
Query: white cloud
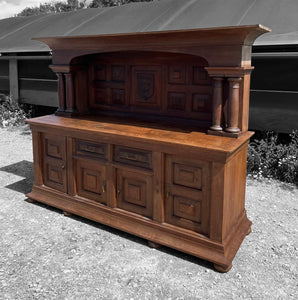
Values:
[(9, 8)]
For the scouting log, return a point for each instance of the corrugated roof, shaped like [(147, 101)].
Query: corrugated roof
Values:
[(279, 15)]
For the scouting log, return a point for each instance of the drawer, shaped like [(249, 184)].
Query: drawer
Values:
[(132, 156), (91, 149)]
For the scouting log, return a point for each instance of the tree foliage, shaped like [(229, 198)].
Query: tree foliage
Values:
[(71, 5), (106, 3)]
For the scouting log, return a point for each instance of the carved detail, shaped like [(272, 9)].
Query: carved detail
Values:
[(200, 76), (118, 96), (118, 73), (145, 85), (200, 102), (176, 101), (100, 72), (177, 74)]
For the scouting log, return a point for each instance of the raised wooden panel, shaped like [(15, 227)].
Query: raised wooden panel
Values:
[(54, 174), (100, 96), (118, 96), (118, 73), (91, 180), (187, 208), (146, 86), (176, 101), (91, 149), (187, 193), (54, 146), (54, 161), (134, 157), (134, 192), (177, 74), (201, 103), (187, 175), (200, 76), (100, 72)]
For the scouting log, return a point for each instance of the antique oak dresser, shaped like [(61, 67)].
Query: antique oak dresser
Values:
[(151, 136)]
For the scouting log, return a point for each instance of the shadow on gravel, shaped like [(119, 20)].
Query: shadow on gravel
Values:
[(133, 238), (23, 168)]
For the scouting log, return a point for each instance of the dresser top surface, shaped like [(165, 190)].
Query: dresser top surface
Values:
[(152, 132)]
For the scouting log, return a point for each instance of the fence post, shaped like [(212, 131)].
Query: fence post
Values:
[(13, 80)]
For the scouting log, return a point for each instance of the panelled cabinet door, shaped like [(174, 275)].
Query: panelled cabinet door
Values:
[(187, 194), (91, 180), (54, 161), (134, 192)]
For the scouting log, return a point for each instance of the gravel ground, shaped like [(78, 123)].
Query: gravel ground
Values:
[(45, 255)]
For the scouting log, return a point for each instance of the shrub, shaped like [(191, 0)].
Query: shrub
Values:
[(13, 114), (270, 158)]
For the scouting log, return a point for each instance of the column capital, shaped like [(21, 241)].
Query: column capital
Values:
[(228, 71)]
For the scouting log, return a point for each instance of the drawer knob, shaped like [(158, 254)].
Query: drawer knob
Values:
[(63, 167)]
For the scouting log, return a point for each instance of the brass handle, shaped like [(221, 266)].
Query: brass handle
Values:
[(118, 189), (104, 186), (168, 191)]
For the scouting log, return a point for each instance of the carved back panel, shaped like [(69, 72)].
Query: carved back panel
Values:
[(151, 83)]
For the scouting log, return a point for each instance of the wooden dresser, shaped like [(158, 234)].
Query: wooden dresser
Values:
[(150, 136)]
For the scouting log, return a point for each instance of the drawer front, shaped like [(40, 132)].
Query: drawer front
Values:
[(134, 192), (91, 180), (91, 149), (134, 157)]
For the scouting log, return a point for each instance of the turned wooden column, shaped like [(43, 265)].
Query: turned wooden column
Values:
[(217, 103), (70, 95), (233, 105), (61, 92)]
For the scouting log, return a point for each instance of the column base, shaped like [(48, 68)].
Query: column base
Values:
[(224, 133), (216, 128), (232, 129)]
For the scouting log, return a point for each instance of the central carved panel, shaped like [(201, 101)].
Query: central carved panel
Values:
[(146, 85)]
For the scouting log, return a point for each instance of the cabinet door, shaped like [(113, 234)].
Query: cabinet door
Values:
[(187, 194), (91, 180), (134, 192), (54, 162)]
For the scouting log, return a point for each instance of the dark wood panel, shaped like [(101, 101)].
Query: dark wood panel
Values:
[(91, 180), (134, 190), (187, 194), (55, 174), (134, 157), (91, 149), (54, 161)]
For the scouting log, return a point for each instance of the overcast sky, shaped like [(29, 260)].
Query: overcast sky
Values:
[(8, 8)]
